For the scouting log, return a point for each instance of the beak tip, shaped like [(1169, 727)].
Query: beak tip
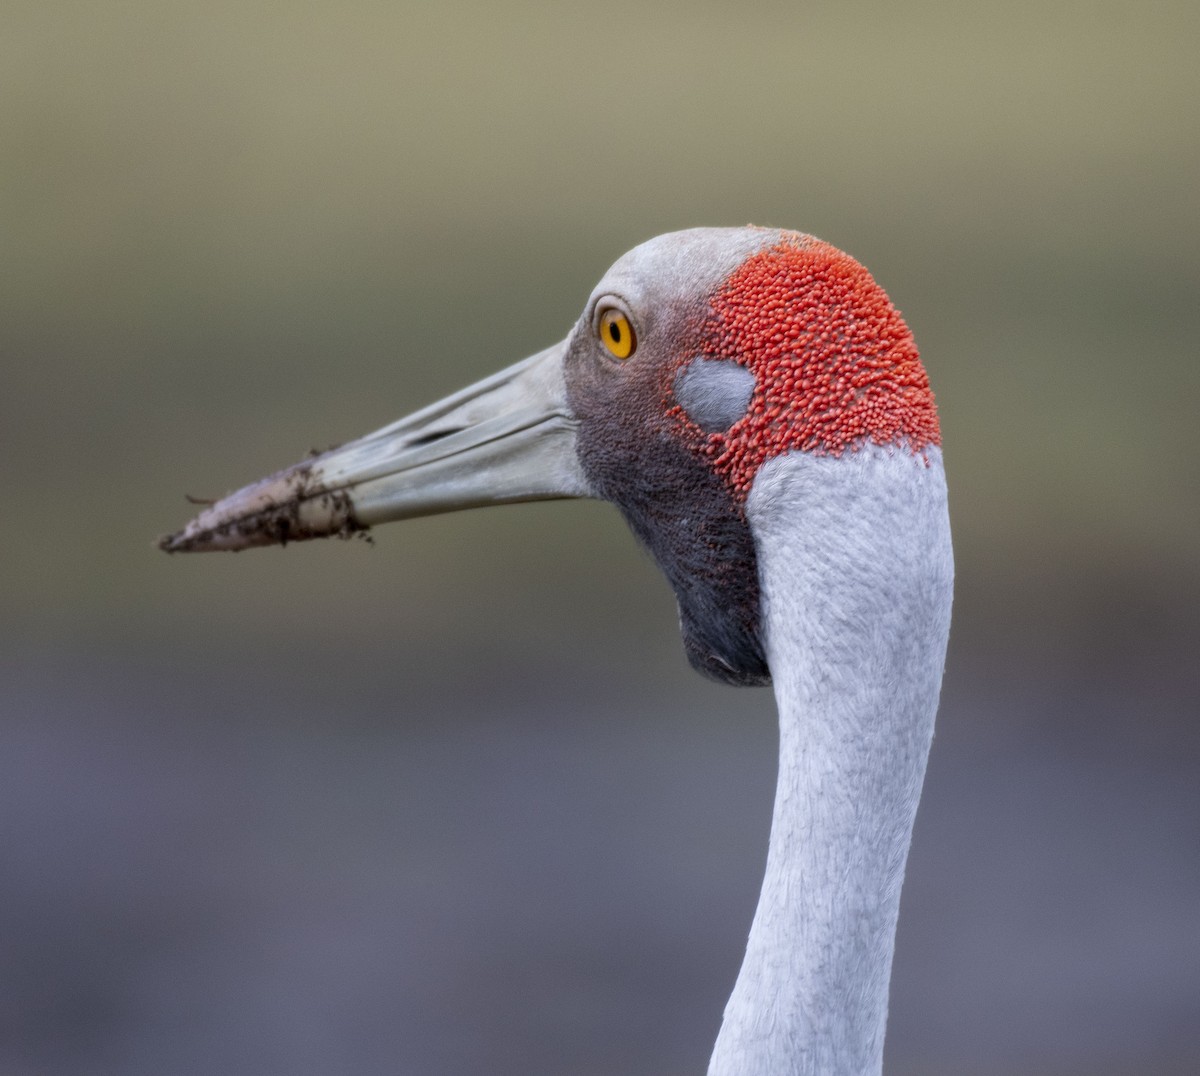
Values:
[(194, 539), (289, 507), (190, 540)]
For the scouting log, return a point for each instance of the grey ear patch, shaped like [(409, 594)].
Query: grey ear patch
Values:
[(714, 392)]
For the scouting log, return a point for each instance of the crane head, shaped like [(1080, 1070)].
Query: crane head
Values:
[(699, 355)]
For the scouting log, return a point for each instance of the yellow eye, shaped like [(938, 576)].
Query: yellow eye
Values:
[(617, 333)]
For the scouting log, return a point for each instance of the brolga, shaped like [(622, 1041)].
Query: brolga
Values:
[(756, 408)]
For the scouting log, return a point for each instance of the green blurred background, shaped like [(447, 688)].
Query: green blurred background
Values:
[(454, 803)]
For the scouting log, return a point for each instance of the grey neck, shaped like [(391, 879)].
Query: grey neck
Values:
[(856, 571)]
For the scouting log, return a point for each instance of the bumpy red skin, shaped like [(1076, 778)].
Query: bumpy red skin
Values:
[(835, 365)]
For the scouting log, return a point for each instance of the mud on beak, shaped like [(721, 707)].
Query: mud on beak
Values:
[(510, 437)]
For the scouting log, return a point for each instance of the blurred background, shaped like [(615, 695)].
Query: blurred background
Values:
[(455, 803)]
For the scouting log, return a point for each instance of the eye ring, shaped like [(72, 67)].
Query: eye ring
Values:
[(616, 332)]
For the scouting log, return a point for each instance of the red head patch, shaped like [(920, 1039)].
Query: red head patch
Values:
[(834, 363)]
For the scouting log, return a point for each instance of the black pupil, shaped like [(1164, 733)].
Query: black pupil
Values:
[(614, 330)]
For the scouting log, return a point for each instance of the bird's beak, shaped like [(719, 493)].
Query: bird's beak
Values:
[(510, 437)]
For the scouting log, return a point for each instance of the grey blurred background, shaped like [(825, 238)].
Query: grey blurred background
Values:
[(455, 803)]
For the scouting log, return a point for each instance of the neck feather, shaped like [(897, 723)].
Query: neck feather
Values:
[(856, 573)]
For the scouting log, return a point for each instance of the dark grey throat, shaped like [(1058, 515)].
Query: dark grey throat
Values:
[(685, 515), (705, 549)]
